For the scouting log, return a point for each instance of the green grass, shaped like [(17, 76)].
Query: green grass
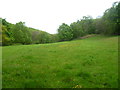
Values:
[(86, 63)]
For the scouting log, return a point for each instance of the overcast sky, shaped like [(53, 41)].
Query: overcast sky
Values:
[(47, 15)]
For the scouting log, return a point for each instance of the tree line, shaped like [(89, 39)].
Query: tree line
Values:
[(20, 34), (108, 24)]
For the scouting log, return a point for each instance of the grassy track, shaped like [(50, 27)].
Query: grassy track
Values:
[(86, 63)]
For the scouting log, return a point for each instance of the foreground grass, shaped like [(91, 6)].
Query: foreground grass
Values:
[(86, 63)]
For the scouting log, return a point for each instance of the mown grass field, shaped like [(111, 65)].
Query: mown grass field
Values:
[(86, 63)]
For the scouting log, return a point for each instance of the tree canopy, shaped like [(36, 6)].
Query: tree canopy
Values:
[(108, 24)]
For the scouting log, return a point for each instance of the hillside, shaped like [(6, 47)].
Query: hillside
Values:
[(84, 63)]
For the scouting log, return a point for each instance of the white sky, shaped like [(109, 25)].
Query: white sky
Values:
[(47, 15)]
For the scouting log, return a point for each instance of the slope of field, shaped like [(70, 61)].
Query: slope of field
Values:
[(86, 63)]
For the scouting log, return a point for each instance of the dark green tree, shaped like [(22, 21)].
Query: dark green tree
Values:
[(21, 34), (77, 29), (65, 32), (111, 19)]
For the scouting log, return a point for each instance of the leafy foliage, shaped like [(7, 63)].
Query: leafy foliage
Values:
[(108, 24), (5, 36), (110, 20), (21, 34), (65, 32)]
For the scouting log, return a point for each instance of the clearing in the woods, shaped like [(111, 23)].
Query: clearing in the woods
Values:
[(86, 63)]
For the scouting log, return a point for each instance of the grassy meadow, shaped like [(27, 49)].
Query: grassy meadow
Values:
[(84, 63)]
